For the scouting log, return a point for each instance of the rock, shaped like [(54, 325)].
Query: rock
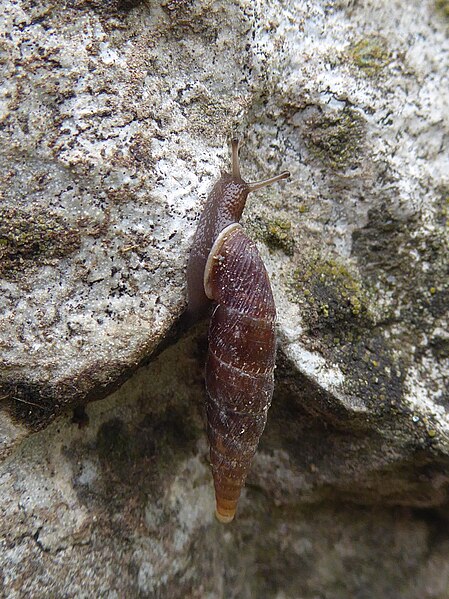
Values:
[(114, 121), (123, 507)]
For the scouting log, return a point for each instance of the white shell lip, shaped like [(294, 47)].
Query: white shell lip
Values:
[(215, 249)]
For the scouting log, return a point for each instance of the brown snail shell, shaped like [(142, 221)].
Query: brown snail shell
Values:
[(240, 362), (242, 339)]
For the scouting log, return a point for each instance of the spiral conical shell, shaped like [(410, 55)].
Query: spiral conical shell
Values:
[(240, 363)]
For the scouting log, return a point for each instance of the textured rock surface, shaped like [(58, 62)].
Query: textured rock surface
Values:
[(114, 119), (123, 507)]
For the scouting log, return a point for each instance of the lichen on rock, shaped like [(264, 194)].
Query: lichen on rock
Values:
[(443, 7), (333, 297), (276, 233), (336, 138), (370, 54)]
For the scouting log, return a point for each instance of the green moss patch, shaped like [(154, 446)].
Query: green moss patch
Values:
[(276, 233), (391, 252), (338, 315), (370, 54), (333, 295), (336, 138), (338, 311), (443, 7)]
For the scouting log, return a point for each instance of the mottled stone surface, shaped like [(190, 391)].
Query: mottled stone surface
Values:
[(123, 507), (114, 123)]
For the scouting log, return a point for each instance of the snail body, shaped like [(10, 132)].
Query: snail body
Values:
[(225, 267)]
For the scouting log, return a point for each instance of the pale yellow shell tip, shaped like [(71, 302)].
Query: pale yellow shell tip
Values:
[(224, 518)]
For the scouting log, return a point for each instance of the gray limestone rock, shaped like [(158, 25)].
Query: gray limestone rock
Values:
[(115, 119)]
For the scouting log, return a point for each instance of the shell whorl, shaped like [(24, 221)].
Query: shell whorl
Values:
[(240, 363)]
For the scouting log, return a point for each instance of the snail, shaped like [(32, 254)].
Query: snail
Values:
[(225, 268)]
